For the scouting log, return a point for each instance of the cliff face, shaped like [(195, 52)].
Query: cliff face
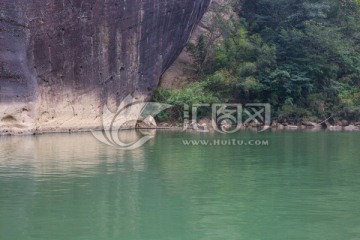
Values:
[(61, 61)]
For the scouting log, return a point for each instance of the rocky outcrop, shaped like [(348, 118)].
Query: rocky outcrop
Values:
[(61, 61)]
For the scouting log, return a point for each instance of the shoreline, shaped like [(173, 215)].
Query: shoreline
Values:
[(288, 128)]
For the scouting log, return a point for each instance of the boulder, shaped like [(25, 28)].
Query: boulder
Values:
[(292, 127), (351, 128), (225, 125), (150, 121), (344, 123), (335, 128), (309, 124)]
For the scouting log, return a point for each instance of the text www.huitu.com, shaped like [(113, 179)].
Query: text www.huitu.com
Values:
[(226, 142)]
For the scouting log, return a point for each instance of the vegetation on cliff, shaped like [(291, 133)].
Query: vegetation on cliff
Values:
[(302, 56)]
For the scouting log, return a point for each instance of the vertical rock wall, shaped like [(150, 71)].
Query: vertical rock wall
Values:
[(61, 61)]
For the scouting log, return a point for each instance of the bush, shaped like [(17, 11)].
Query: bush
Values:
[(194, 93), (294, 113)]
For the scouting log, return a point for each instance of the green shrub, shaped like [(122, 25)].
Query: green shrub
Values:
[(194, 93)]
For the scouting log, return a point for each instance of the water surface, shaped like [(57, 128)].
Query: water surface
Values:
[(303, 185)]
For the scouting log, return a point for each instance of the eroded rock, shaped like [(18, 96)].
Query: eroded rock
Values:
[(64, 60)]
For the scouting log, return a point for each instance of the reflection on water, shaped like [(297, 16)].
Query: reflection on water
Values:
[(45, 182), (302, 186), (64, 153)]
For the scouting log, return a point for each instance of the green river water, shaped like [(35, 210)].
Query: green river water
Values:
[(300, 185)]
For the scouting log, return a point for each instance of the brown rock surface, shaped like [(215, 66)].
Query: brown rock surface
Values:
[(61, 61)]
